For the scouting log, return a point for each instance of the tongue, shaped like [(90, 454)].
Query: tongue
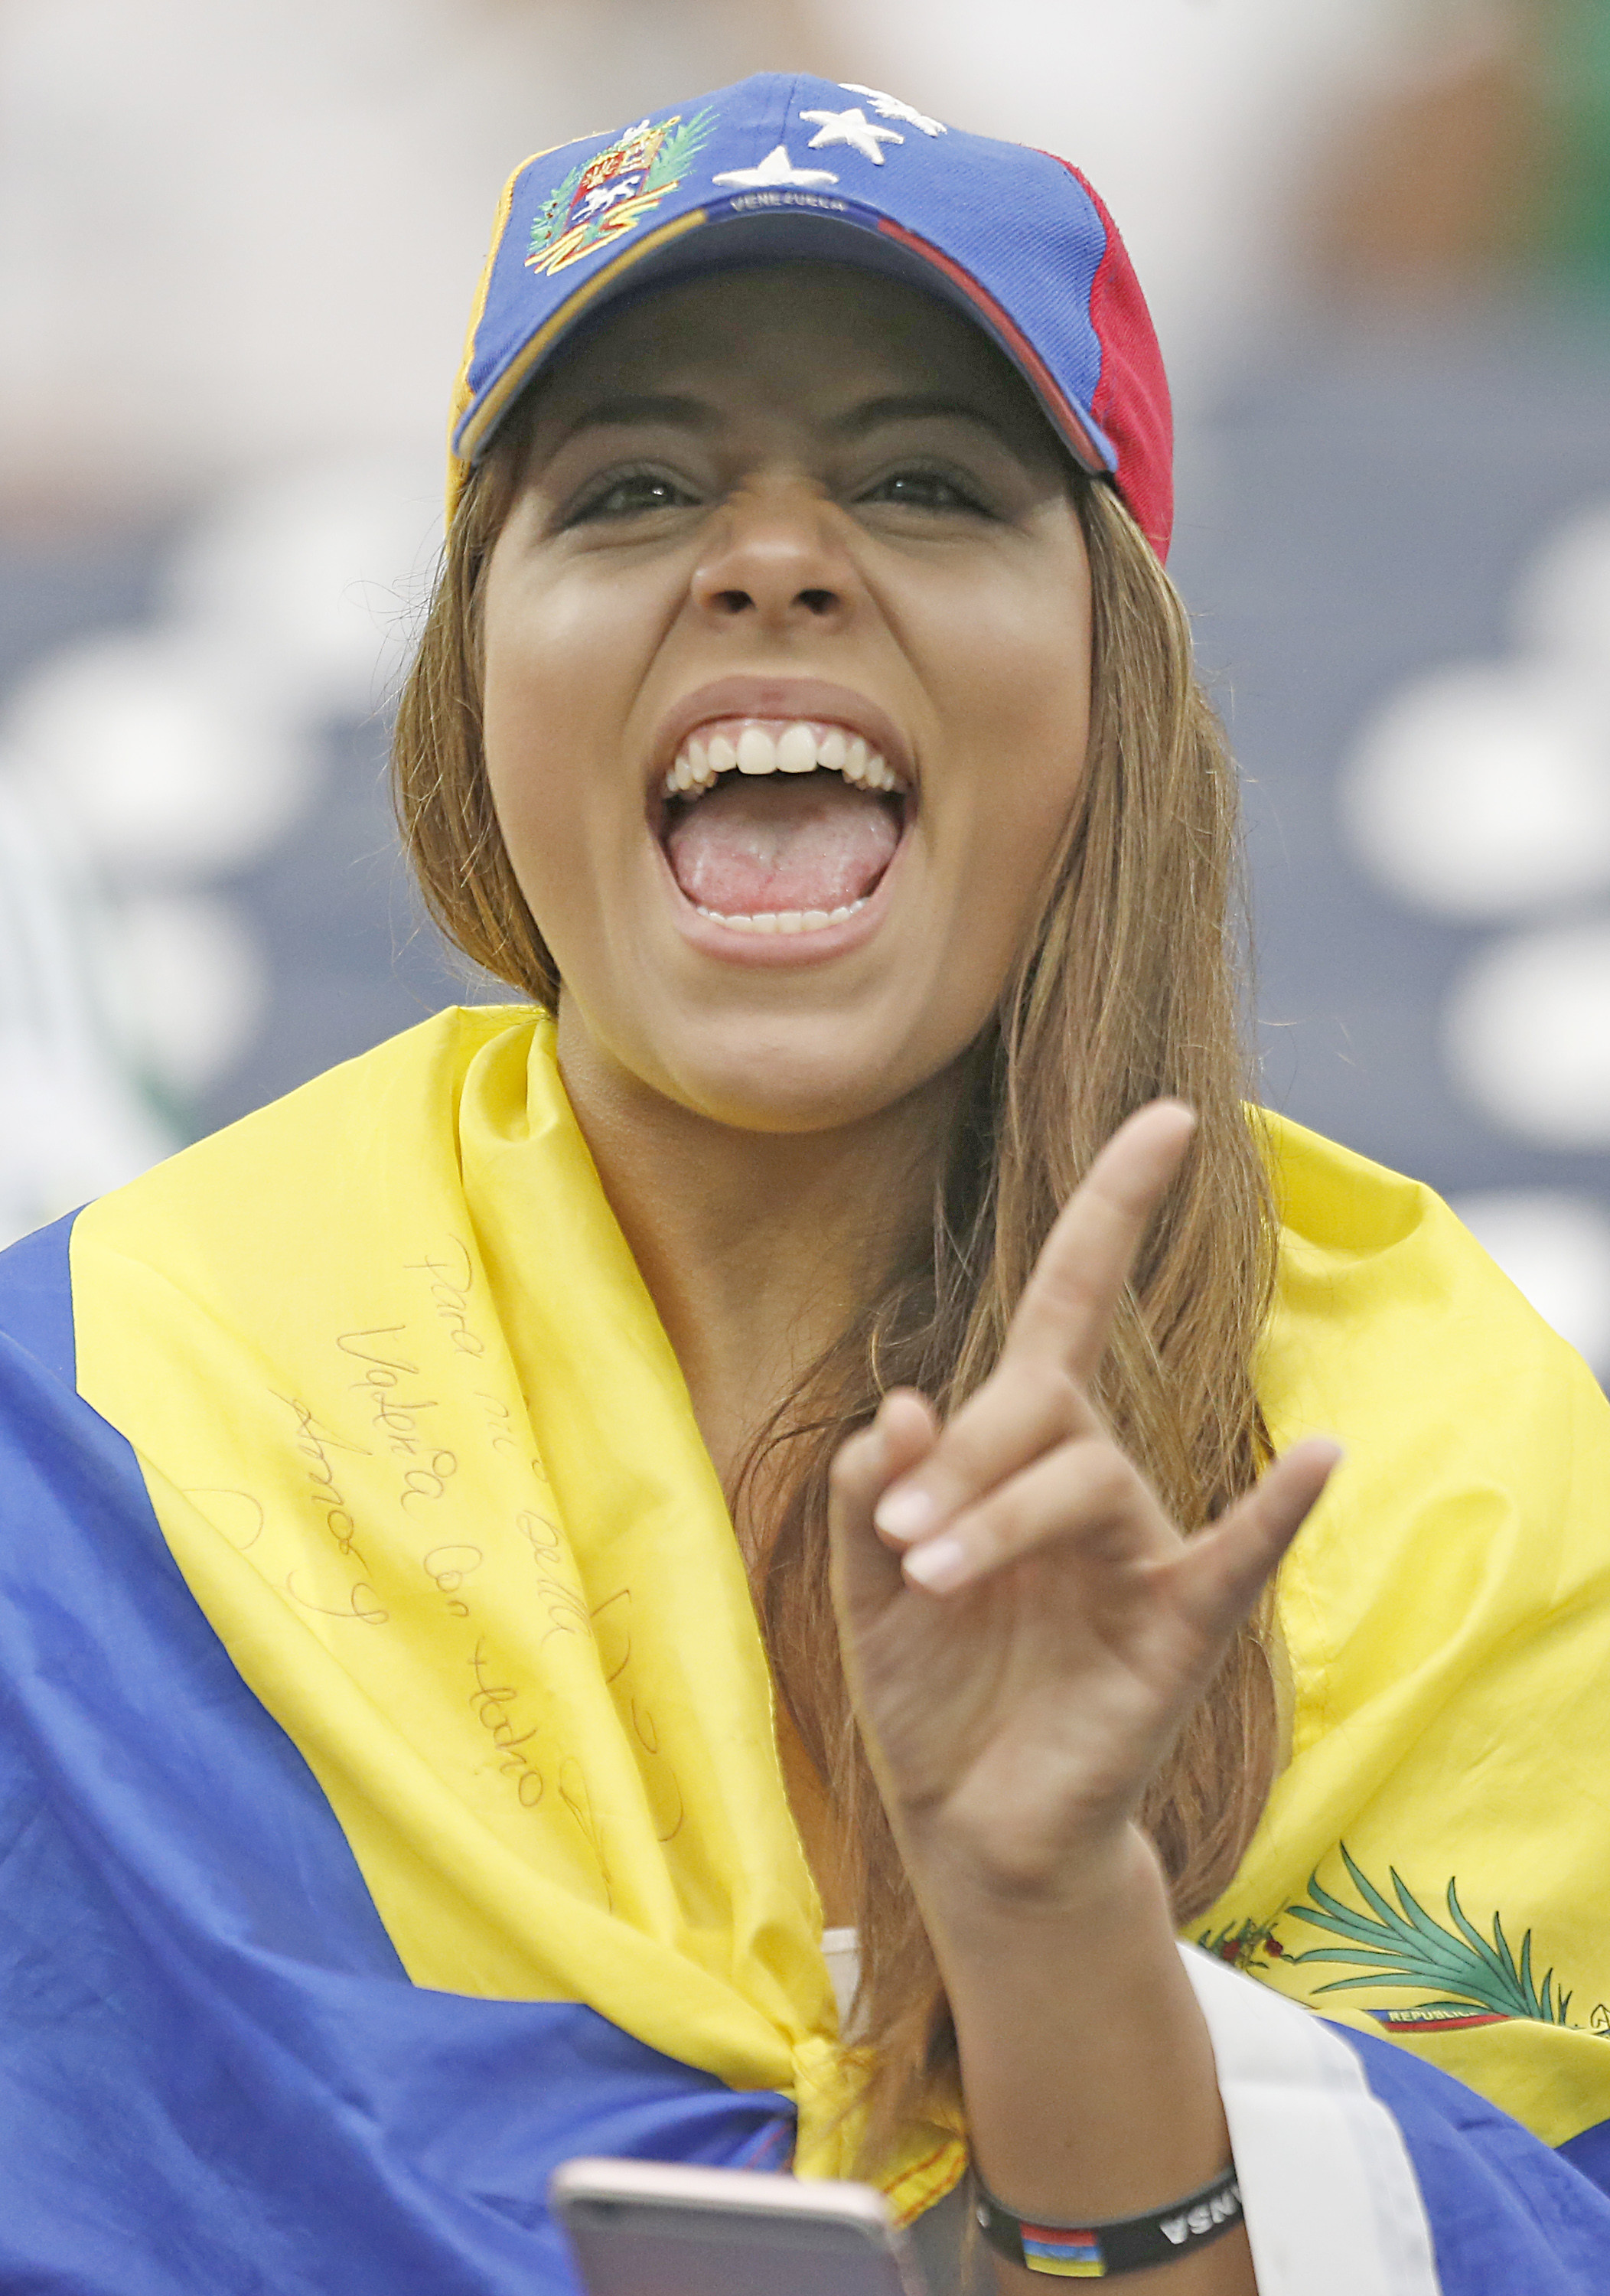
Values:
[(775, 843)]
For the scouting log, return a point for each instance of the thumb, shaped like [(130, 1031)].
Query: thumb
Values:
[(1224, 1568)]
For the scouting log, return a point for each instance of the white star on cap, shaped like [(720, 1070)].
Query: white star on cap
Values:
[(890, 107), (776, 168), (853, 128)]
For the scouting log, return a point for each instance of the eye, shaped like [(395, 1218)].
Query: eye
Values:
[(924, 489), (631, 494)]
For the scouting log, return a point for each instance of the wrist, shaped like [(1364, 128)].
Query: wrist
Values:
[(1114, 1882), (1086, 2070)]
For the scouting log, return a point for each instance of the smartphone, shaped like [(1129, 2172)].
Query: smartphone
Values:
[(650, 2228)]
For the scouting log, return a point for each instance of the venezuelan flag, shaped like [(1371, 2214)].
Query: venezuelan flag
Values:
[(390, 1806), (1070, 2255)]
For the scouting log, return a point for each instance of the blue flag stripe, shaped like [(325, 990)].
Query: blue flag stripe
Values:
[(215, 2076)]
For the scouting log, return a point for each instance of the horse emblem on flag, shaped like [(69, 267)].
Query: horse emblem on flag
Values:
[(597, 203)]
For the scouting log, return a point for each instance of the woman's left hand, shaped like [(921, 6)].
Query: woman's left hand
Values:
[(1025, 1630)]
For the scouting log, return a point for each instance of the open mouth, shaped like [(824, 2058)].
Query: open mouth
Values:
[(780, 826)]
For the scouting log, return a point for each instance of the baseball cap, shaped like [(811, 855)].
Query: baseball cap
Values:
[(783, 166)]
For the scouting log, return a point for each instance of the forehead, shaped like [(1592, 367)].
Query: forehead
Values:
[(772, 332)]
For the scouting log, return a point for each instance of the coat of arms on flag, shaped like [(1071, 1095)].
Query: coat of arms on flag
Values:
[(597, 203)]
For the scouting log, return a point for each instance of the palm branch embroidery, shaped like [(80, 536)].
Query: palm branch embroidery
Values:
[(671, 160), (1472, 1982), (550, 215)]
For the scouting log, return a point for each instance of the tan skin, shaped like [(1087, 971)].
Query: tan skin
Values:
[(801, 473)]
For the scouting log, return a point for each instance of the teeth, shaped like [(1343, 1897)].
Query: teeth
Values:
[(786, 921), (798, 749)]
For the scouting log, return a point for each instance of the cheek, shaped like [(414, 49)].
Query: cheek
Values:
[(554, 694), (1005, 632), (538, 694), (1015, 711)]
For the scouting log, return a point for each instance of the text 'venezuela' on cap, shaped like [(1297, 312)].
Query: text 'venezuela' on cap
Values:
[(783, 164)]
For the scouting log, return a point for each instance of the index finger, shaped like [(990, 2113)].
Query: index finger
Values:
[(1068, 1305)]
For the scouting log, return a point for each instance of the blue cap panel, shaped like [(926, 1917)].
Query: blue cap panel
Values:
[(986, 216)]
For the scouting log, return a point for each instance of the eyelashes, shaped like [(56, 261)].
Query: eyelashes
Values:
[(921, 487), (623, 495), (629, 494)]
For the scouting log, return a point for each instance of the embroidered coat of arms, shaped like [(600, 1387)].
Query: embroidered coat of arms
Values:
[(599, 202)]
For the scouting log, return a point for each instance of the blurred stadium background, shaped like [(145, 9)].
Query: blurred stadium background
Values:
[(239, 244)]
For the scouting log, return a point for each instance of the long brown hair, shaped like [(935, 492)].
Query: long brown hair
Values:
[(1128, 988)]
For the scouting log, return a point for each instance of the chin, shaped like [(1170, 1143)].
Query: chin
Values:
[(771, 1081)]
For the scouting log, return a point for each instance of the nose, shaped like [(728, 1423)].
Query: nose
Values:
[(777, 557)]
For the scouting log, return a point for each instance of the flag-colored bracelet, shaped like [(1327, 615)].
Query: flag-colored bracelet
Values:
[(1128, 2244)]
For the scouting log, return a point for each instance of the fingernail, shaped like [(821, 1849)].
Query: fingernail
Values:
[(939, 1565), (905, 1513)]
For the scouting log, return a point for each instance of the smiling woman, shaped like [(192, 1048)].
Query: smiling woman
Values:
[(798, 537), (806, 551), (767, 1469)]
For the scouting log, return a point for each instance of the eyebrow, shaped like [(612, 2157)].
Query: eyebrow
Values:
[(646, 407), (688, 414), (906, 407)]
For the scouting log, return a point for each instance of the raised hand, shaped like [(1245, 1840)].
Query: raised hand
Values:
[(1025, 1629)]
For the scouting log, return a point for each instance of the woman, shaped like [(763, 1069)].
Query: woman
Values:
[(874, 1239)]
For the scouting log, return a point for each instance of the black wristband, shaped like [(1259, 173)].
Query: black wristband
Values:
[(1128, 2244)]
